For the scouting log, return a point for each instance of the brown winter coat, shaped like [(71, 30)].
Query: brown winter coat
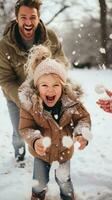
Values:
[(13, 56), (33, 117)]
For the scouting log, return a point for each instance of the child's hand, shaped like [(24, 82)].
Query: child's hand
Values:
[(83, 142), (39, 147)]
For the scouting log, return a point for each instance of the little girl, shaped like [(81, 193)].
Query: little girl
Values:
[(48, 112)]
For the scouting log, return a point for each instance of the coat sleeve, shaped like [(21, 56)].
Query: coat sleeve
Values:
[(8, 79), (28, 129), (82, 122), (56, 48)]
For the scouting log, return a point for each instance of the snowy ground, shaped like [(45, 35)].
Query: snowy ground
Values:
[(91, 168)]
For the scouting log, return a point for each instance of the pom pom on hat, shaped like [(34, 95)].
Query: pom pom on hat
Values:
[(36, 55), (50, 66)]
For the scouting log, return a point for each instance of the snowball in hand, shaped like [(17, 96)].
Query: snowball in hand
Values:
[(46, 142), (99, 89), (67, 141), (76, 145)]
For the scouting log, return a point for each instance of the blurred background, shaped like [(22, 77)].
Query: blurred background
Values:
[(84, 28)]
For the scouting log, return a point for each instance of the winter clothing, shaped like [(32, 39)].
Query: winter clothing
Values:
[(35, 121), (18, 142), (41, 173), (13, 56), (50, 66), (66, 118), (40, 196), (63, 197)]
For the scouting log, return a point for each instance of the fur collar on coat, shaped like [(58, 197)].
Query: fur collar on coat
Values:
[(29, 99)]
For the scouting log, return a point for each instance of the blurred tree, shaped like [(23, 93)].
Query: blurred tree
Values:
[(1, 4), (103, 21), (76, 33)]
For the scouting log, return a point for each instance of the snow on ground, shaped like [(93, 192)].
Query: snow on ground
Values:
[(91, 169)]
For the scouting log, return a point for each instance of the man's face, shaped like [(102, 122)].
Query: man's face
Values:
[(27, 20)]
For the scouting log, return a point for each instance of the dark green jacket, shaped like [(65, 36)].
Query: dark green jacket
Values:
[(13, 56)]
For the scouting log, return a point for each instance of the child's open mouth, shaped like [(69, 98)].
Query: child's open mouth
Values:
[(50, 99)]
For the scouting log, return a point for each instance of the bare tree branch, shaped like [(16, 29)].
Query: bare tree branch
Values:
[(61, 10)]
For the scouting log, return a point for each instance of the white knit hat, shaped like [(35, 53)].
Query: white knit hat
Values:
[(49, 66)]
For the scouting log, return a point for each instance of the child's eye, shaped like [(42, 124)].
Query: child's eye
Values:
[(56, 85), (44, 85)]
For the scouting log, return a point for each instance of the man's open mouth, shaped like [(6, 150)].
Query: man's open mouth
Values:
[(28, 28)]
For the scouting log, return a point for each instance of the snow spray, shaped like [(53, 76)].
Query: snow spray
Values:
[(53, 188)]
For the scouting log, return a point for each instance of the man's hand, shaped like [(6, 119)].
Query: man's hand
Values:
[(39, 148)]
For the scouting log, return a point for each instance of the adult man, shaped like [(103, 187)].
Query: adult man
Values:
[(19, 36)]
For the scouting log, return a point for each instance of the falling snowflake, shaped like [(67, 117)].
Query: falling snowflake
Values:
[(81, 25), (56, 116), (8, 57), (61, 39), (110, 36), (60, 127), (21, 150), (79, 35), (72, 111), (71, 124), (61, 158), (76, 63), (102, 50), (73, 52), (76, 41)]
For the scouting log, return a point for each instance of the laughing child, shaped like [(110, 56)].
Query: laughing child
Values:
[(50, 112)]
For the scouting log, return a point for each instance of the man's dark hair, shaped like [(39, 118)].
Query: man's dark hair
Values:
[(29, 3)]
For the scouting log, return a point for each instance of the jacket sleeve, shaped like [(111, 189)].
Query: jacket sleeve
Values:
[(82, 121), (28, 129), (56, 48), (8, 79)]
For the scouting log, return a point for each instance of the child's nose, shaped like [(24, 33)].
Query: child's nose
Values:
[(50, 89)]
